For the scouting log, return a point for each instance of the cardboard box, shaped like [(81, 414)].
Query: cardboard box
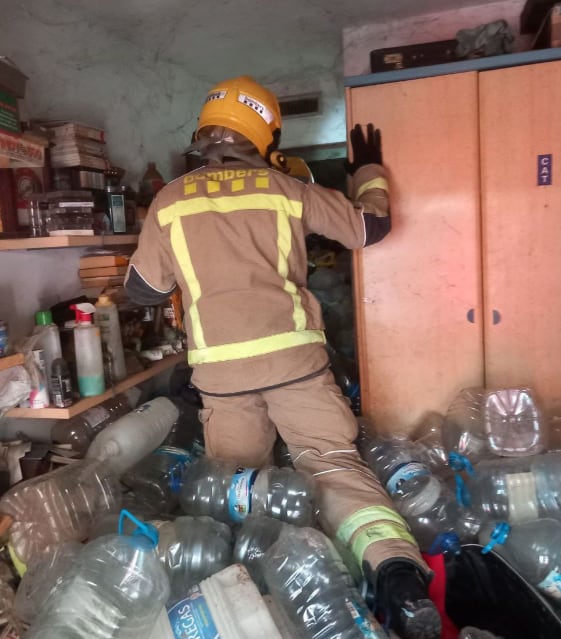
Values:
[(9, 113), (11, 78), (20, 150)]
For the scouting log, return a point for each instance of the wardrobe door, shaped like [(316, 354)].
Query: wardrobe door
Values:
[(417, 292), (521, 219)]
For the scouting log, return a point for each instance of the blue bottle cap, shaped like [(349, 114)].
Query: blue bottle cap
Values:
[(498, 536), (446, 542)]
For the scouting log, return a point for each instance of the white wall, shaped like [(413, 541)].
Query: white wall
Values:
[(359, 41), (144, 78)]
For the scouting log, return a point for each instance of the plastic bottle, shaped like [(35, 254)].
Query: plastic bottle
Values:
[(396, 461), (42, 578), (228, 492), (151, 182), (129, 439), (307, 580), (192, 549), (107, 318), (49, 341), (226, 606), (79, 431), (253, 538), (514, 423), (517, 489), (89, 355), (115, 590), (58, 506), (437, 521), (429, 435), (532, 548), (157, 479), (482, 423)]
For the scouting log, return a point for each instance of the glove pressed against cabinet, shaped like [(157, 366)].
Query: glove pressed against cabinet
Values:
[(466, 289)]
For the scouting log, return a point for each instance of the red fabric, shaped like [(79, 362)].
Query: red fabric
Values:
[(437, 593)]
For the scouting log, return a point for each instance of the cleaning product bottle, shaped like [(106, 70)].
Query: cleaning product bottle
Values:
[(89, 356), (49, 341), (107, 318)]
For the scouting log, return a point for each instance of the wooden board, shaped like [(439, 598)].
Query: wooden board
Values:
[(416, 291), (9, 361)]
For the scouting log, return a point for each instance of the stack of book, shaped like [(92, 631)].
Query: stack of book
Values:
[(102, 271), (76, 145)]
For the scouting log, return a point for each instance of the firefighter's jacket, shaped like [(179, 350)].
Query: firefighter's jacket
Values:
[(232, 237)]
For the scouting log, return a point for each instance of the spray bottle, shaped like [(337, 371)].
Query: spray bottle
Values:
[(89, 356)]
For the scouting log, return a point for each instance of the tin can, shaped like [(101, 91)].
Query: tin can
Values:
[(3, 338)]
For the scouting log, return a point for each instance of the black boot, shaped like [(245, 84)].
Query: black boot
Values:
[(402, 601)]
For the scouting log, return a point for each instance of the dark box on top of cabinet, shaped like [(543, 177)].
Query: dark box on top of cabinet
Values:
[(413, 55)]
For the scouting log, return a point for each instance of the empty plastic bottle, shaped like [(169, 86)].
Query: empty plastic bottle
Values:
[(514, 423), (192, 549), (396, 461), (481, 423), (81, 430), (227, 492), (253, 538), (437, 521), (130, 438), (115, 590), (429, 436), (308, 582), (226, 605), (58, 506), (533, 549), (517, 489), (158, 478), (42, 578)]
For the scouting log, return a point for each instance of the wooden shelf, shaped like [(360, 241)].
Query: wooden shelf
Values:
[(64, 241), (83, 404), (9, 361)]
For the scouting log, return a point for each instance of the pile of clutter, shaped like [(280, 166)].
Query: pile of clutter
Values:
[(140, 534), (483, 473)]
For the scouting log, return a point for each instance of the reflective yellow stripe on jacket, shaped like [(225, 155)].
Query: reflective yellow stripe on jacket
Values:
[(284, 208)]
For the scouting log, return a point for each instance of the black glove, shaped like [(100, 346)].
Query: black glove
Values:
[(365, 150)]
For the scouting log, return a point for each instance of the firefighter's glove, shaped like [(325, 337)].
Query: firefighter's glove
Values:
[(366, 150)]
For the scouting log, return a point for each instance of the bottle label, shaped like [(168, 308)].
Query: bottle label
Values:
[(96, 416), (551, 585), (239, 494), (191, 618), (363, 619), (522, 499), (404, 473)]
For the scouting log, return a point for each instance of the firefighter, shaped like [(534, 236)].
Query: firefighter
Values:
[(231, 235)]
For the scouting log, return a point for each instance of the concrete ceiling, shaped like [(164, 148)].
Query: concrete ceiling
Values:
[(213, 27)]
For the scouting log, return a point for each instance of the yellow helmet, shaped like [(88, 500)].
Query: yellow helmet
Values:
[(244, 106)]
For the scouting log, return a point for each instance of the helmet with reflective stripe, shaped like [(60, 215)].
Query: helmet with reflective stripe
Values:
[(244, 106)]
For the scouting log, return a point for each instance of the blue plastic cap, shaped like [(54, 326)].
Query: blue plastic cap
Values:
[(446, 542), (498, 536)]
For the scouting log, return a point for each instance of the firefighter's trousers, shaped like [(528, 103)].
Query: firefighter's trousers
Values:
[(315, 421)]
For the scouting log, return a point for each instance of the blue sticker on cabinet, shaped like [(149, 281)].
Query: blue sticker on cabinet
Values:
[(545, 169)]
